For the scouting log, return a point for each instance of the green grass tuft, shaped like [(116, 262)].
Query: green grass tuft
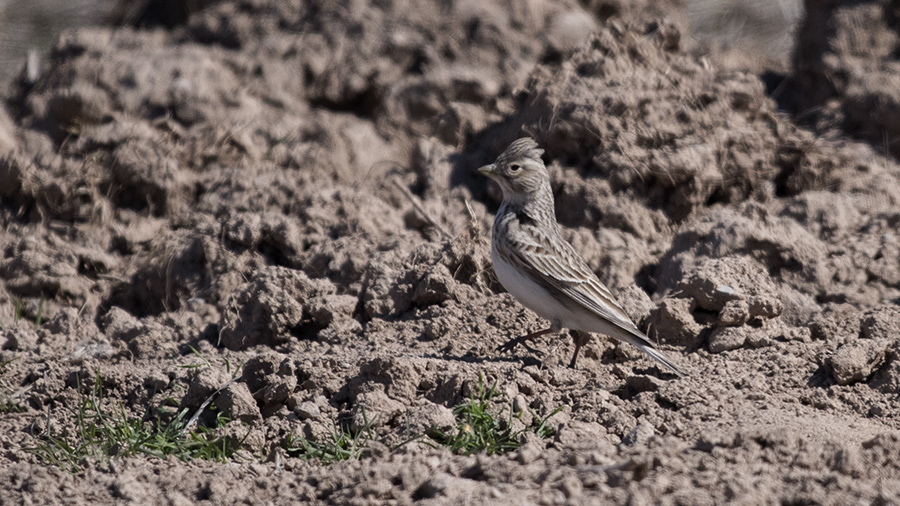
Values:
[(479, 431), (341, 444), (99, 434), (18, 309)]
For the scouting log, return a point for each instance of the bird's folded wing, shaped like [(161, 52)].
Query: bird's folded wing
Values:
[(555, 265)]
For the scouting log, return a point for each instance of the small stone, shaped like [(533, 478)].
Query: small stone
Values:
[(673, 323), (734, 314), (725, 290), (520, 410), (327, 308), (307, 410), (519, 404), (373, 409), (339, 331), (857, 360), (119, 324), (203, 385), (435, 287), (437, 328), (639, 435), (726, 339), (236, 402), (716, 281), (277, 390), (258, 371), (156, 381), (765, 307), (758, 340)]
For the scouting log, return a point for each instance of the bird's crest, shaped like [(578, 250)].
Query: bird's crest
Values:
[(524, 147)]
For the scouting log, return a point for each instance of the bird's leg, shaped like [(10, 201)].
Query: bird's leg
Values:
[(512, 343), (580, 338), (555, 326)]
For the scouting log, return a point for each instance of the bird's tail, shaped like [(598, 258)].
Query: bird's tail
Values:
[(662, 358), (644, 344)]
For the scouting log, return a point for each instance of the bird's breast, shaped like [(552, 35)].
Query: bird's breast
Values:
[(527, 291)]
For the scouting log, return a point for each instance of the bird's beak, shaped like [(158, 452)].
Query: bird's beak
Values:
[(489, 170)]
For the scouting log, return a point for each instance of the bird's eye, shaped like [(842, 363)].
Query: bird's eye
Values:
[(515, 167)]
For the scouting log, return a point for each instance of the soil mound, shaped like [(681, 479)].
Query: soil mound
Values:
[(270, 216)]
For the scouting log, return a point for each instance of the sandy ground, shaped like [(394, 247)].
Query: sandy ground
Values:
[(290, 187)]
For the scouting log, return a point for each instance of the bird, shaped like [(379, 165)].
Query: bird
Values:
[(541, 270)]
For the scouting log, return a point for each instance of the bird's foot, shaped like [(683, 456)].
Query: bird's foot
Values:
[(580, 339)]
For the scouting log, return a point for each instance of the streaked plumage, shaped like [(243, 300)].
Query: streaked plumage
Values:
[(540, 268)]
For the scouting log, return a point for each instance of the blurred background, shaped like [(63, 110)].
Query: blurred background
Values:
[(755, 36), (34, 25)]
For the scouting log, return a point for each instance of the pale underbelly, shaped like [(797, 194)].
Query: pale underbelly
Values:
[(533, 296)]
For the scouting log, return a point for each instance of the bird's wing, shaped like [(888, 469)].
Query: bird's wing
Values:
[(556, 266)]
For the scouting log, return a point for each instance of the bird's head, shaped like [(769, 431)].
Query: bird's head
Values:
[(519, 171)]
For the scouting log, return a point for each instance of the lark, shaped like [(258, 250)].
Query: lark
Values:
[(541, 269)]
